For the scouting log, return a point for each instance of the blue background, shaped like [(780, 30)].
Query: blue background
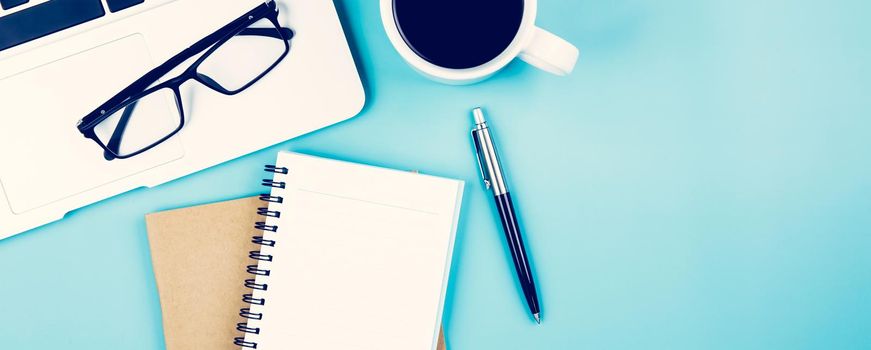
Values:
[(702, 181)]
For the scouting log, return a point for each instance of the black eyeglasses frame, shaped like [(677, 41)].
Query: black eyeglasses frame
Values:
[(143, 86)]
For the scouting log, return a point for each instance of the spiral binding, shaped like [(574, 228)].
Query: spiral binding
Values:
[(254, 269)]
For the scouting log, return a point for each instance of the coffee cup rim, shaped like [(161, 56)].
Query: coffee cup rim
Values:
[(524, 33)]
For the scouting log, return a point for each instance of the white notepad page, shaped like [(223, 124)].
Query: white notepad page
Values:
[(361, 259)]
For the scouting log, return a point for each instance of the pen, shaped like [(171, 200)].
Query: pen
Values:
[(494, 179)]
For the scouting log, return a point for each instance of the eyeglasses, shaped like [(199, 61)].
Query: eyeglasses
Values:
[(147, 113)]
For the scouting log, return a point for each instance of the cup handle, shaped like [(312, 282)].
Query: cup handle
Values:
[(550, 53)]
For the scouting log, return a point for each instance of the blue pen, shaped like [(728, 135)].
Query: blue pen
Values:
[(494, 179)]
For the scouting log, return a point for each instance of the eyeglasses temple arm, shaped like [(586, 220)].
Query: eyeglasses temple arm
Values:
[(115, 141), (285, 33), (155, 74)]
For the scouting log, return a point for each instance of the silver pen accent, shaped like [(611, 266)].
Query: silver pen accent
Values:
[(485, 149)]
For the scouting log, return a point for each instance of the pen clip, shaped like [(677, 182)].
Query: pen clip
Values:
[(477, 142)]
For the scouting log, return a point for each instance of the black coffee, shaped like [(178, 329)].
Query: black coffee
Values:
[(458, 34)]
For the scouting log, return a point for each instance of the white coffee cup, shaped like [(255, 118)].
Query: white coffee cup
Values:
[(531, 44)]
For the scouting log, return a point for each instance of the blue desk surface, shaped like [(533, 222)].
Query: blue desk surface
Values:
[(702, 181)]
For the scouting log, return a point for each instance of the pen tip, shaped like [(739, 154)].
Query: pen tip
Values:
[(479, 115), (537, 318)]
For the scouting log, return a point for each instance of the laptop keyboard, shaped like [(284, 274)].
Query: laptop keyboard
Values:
[(118, 5), (50, 17), (8, 4)]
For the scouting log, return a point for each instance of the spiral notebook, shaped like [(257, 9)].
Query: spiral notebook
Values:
[(352, 257), (199, 255)]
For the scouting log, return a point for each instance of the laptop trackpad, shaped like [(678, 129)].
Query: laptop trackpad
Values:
[(43, 157)]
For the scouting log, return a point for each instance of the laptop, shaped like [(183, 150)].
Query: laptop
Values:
[(66, 57)]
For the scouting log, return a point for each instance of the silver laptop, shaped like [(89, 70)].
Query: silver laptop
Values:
[(60, 59)]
